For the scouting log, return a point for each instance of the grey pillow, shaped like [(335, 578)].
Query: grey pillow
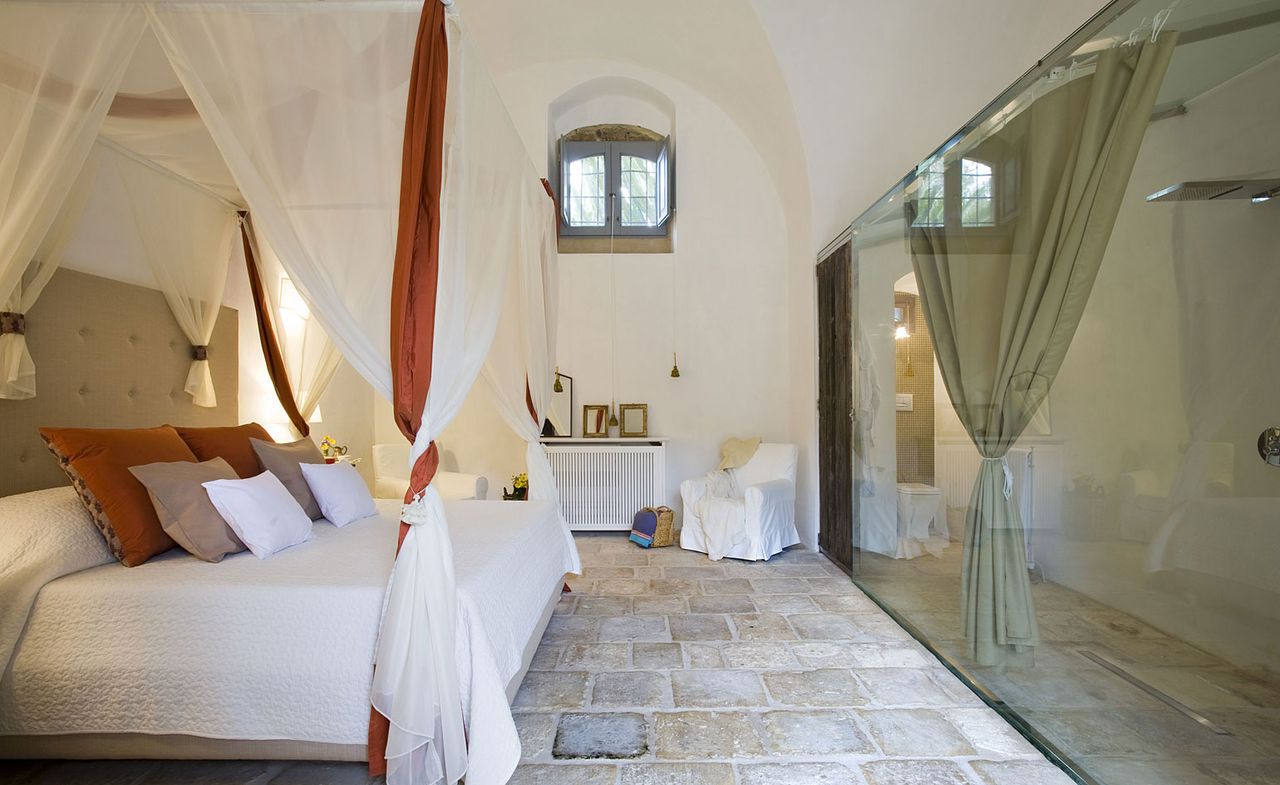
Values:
[(183, 505), (283, 461)]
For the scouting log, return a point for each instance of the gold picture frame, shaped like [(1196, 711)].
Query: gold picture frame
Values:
[(633, 420), (595, 421)]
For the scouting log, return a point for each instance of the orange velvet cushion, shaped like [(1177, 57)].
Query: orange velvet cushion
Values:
[(97, 462), (230, 444)]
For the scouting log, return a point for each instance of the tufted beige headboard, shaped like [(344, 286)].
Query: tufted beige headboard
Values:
[(107, 355)]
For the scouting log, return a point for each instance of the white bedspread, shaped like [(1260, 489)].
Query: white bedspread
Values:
[(249, 649)]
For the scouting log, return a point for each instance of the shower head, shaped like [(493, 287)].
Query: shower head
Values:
[(1211, 190)]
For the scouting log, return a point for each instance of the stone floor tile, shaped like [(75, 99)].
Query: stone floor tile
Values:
[(657, 656), (916, 772), (660, 605), (814, 733), (570, 629), (1023, 772), (783, 603), (779, 586), (722, 603), (702, 655), (808, 569), (552, 690), (706, 735), (916, 733), (565, 604), (825, 687), (676, 774), (830, 585), (606, 735), (633, 558), (716, 688), (762, 627), (634, 628), (621, 586), (546, 657), (827, 654), (903, 687), (727, 586), (699, 627), (828, 626), (989, 733), (764, 655), (628, 689), (679, 586), (564, 774), (796, 774), (844, 603), (603, 606), (537, 732), (594, 657), (693, 573)]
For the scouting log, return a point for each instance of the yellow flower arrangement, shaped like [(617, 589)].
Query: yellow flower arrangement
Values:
[(330, 448), (520, 482)]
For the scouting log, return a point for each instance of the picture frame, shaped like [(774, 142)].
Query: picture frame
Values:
[(595, 421), (633, 420)]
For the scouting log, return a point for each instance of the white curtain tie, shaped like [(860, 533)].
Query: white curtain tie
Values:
[(415, 512), (1008, 475)]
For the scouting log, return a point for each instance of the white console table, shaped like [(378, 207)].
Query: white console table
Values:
[(603, 483)]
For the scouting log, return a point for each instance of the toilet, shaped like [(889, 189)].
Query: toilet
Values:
[(921, 514)]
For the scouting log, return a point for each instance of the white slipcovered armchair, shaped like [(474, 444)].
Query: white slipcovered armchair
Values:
[(743, 513), (391, 476)]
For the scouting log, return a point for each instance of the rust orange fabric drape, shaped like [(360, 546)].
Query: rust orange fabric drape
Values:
[(267, 334), (417, 265)]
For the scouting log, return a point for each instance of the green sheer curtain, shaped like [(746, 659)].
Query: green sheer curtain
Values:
[(1003, 297)]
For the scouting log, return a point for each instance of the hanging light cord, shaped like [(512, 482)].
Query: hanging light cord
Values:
[(613, 316)]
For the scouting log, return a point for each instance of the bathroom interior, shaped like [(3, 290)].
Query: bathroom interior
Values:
[(1146, 506)]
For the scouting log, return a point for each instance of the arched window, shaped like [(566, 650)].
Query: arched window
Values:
[(615, 181)]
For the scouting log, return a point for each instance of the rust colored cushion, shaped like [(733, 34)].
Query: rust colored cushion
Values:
[(97, 461), (231, 444)]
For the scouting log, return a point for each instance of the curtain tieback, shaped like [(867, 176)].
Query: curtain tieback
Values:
[(199, 353), (13, 323), (1008, 475)]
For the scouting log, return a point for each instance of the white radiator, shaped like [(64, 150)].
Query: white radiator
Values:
[(603, 486), (1037, 481)]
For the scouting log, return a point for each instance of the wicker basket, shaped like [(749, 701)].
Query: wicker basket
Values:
[(665, 535)]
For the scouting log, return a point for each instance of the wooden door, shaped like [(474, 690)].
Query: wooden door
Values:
[(835, 407)]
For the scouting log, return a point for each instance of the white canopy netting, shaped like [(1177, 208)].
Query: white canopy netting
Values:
[(294, 112)]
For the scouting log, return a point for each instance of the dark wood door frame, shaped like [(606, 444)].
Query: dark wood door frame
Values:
[(835, 406)]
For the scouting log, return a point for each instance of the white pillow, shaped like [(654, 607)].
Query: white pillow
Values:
[(262, 513), (340, 491)]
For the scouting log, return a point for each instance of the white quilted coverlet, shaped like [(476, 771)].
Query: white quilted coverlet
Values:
[(248, 649)]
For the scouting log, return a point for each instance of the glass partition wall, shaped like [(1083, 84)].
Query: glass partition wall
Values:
[(1066, 335)]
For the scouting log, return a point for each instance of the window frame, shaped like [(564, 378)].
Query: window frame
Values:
[(659, 152)]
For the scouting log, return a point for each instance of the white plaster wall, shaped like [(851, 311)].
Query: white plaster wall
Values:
[(719, 299)]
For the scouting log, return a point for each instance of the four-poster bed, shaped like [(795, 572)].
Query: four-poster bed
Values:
[(415, 237)]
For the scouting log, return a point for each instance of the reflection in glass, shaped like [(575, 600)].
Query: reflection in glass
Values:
[(1130, 543)]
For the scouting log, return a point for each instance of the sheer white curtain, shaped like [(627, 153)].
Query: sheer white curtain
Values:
[(487, 178), (60, 67), (17, 369), (524, 348), (310, 358), (306, 103), (186, 236)]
